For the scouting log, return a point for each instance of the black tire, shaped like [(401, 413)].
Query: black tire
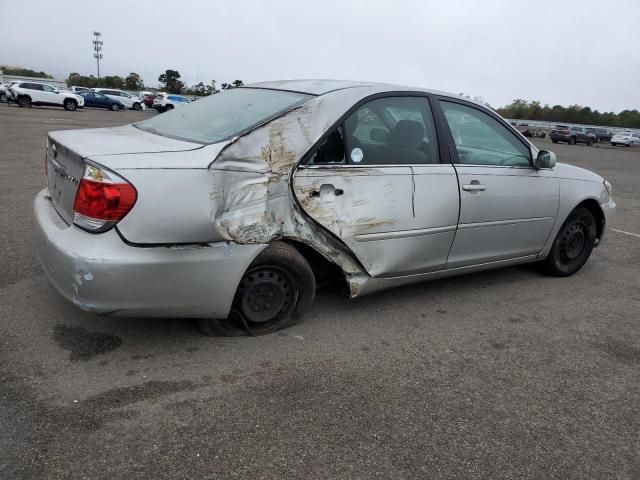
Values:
[(573, 244), (572, 141), (590, 142), (168, 107), (554, 141), (4, 98), (70, 105), (24, 102), (115, 107), (543, 135), (136, 106), (613, 144), (277, 288)]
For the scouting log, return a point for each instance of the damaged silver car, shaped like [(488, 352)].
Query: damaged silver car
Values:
[(233, 208)]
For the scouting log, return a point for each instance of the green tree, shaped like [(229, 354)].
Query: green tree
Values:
[(133, 82), (170, 81), (24, 72)]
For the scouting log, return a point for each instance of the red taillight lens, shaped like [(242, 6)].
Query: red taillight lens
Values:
[(104, 201), (101, 203)]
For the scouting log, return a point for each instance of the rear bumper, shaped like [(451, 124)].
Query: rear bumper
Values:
[(104, 275)]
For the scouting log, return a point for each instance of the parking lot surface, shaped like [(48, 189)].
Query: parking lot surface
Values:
[(503, 374)]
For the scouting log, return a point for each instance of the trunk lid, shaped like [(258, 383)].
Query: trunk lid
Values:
[(119, 148)]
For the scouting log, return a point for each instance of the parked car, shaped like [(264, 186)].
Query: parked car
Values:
[(628, 139), (288, 186), (79, 89), (168, 101), (27, 94), (534, 133), (126, 99), (147, 98), (98, 100), (571, 135), (5, 91), (601, 134)]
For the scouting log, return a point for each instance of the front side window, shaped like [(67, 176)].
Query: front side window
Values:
[(48, 88), (391, 131), (223, 115), (482, 140)]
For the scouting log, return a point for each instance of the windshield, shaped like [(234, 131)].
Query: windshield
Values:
[(223, 115)]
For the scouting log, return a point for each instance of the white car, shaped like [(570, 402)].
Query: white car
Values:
[(128, 100), (5, 92), (169, 101), (79, 89), (27, 94), (628, 139)]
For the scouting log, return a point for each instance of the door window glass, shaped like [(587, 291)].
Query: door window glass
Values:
[(47, 88), (391, 131), (482, 140)]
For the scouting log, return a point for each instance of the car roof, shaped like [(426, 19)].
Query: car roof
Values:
[(324, 86)]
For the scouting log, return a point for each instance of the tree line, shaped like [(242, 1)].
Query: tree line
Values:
[(521, 109), (170, 81), (23, 72)]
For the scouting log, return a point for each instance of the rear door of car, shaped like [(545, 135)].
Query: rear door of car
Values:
[(376, 182), (507, 206)]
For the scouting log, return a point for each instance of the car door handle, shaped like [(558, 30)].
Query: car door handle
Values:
[(327, 189), (474, 187)]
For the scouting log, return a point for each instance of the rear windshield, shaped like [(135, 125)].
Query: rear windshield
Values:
[(223, 115)]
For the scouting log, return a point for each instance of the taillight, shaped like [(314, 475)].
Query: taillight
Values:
[(102, 200)]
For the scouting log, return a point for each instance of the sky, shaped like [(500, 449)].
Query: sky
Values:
[(559, 52)]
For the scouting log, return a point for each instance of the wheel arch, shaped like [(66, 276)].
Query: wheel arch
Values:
[(324, 270), (594, 207)]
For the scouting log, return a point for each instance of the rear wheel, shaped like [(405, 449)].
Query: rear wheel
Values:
[(115, 107), (613, 144), (572, 141), (70, 105), (4, 98), (573, 244), (168, 107), (590, 142), (24, 102), (554, 141), (277, 288)]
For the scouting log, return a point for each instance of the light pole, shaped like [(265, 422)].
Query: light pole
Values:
[(97, 49)]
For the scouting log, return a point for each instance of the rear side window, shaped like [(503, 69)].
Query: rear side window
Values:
[(224, 115), (482, 140)]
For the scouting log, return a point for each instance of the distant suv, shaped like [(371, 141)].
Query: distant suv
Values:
[(126, 99), (28, 93), (571, 135), (602, 134), (168, 101)]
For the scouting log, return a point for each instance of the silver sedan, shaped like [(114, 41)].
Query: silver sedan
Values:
[(233, 208)]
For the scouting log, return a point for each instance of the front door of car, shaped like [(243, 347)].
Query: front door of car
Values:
[(507, 206), (49, 95), (89, 99), (376, 182)]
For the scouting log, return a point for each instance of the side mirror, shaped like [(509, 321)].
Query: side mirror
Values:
[(55, 90), (545, 159)]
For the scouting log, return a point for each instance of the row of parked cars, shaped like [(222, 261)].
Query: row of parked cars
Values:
[(28, 94), (591, 135)]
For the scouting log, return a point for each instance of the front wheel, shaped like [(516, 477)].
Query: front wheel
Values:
[(277, 288), (70, 105), (554, 141), (572, 141), (573, 244), (24, 102), (168, 107), (4, 98), (590, 142)]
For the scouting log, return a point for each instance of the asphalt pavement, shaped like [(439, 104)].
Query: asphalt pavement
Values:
[(503, 374)]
